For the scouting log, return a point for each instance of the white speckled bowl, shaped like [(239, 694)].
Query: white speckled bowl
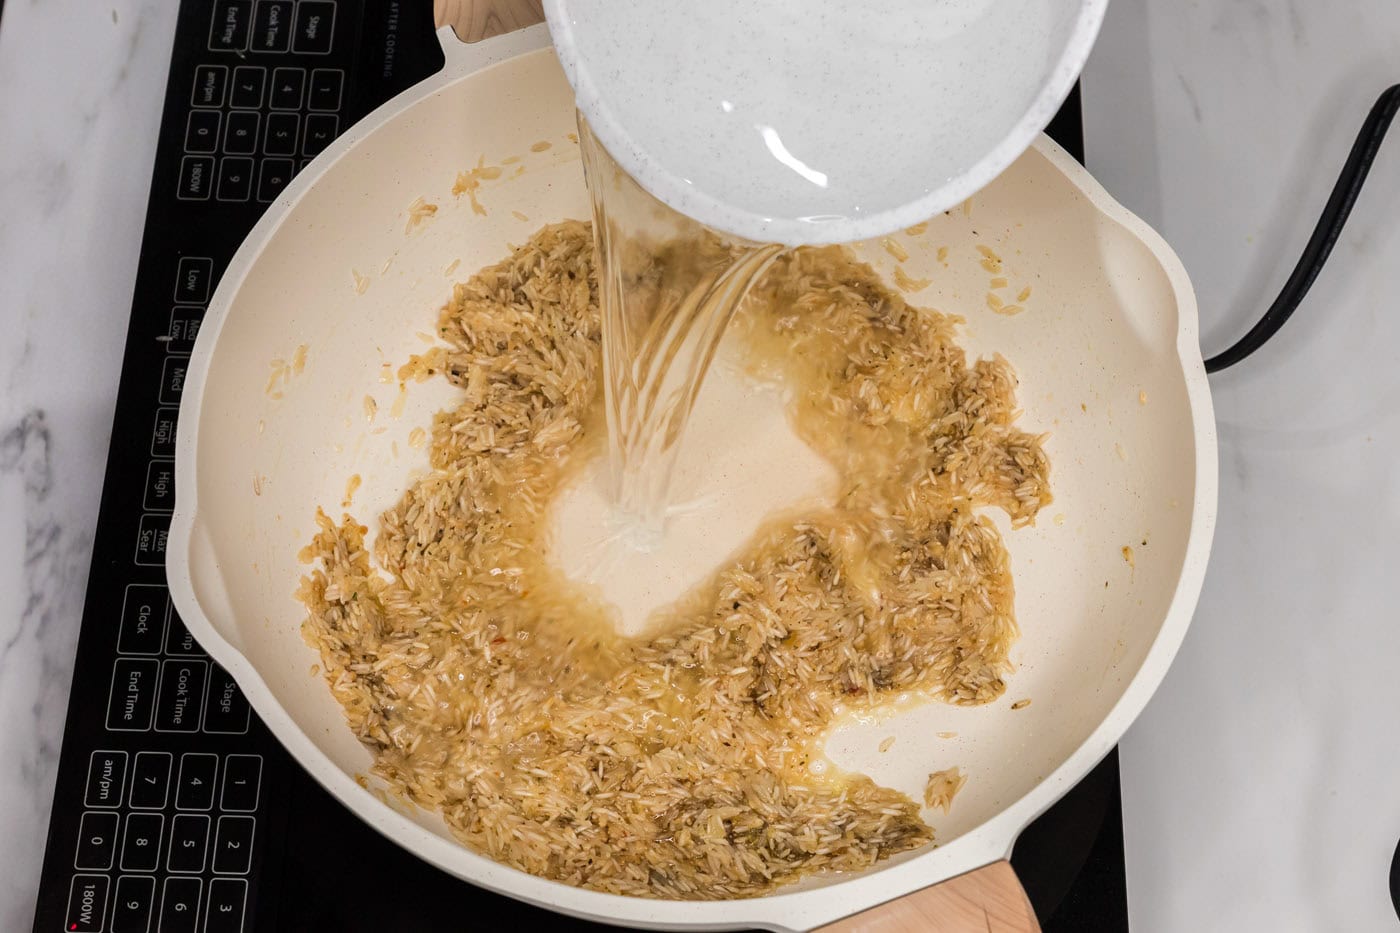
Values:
[(1107, 356), (821, 121)]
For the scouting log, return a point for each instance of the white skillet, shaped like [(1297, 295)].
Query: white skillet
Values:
[(1106, 352)]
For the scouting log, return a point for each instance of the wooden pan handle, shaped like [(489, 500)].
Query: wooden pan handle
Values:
[(474, 20), (988, 900)]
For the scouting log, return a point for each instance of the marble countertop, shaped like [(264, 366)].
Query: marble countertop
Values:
[(81, 89), (1261, 786)]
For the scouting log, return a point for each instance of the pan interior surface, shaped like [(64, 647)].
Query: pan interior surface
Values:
[(349, 279)]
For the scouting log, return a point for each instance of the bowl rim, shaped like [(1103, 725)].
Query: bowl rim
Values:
[(1061, 75), (787, 909)]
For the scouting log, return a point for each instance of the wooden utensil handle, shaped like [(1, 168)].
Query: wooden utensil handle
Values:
[(474, 20), (988, 900)]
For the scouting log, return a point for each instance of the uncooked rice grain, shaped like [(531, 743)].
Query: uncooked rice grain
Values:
[(895, 248), (942, 787), (907, 282), (419, 211)]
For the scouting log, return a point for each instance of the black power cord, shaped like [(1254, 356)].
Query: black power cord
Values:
[(1324, 235)]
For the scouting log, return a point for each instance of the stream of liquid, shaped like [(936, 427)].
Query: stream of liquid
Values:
[(669, 287)]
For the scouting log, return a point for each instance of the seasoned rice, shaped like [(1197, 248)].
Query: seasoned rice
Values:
[(677, 764)]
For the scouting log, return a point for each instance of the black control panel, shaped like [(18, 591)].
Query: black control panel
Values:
[(169, 791)]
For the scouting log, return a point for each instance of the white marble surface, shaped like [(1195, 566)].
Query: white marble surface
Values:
[(1262, 786), (81, 87)]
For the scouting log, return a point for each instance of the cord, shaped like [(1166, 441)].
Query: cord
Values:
[(1324, 235)]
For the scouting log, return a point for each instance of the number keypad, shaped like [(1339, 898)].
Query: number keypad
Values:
[(202, 835), (249, 122)]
